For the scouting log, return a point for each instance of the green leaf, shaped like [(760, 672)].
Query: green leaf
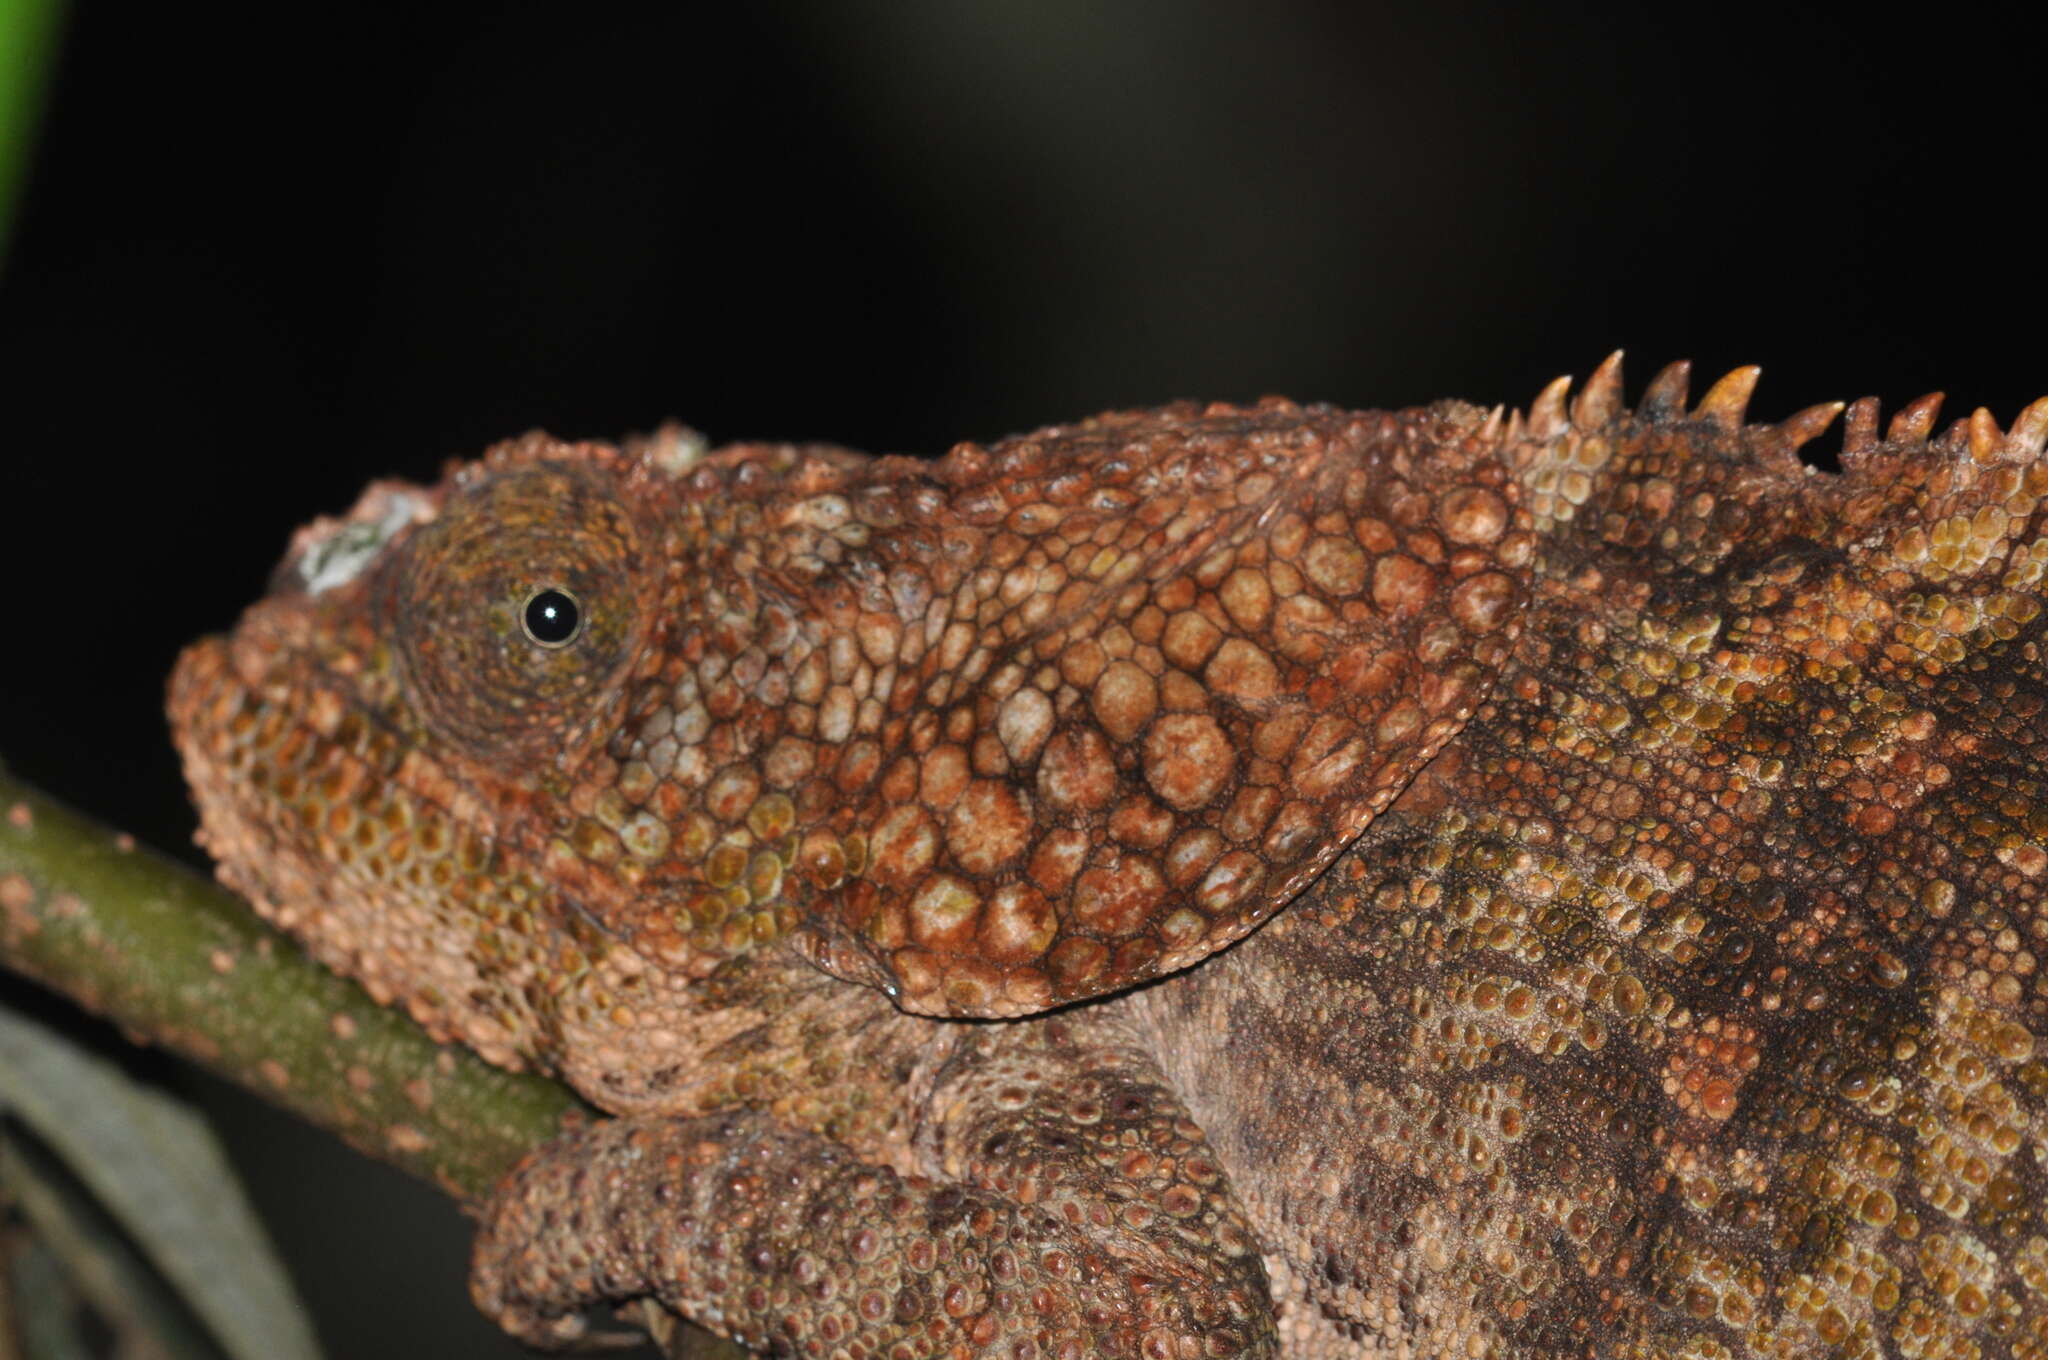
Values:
[(27, 30), (97, 1270), (157, 1168)]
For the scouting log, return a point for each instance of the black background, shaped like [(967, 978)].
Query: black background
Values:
[(261, 261)]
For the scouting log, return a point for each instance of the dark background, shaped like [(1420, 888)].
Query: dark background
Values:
[(260, 262)]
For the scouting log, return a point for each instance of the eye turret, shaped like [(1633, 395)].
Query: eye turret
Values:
[(516, 611)]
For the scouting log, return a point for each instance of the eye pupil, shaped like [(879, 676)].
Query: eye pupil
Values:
[(552, 617)]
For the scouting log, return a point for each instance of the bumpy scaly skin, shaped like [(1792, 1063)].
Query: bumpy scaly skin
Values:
[(1079, 1212), (1680, 996)]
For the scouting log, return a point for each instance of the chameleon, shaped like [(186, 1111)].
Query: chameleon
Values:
[(1207, 881)]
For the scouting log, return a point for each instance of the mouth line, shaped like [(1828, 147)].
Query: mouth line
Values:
[(320, 761), (371, 897), (307, 818)]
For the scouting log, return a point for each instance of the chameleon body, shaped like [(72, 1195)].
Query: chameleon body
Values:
[(1208, 881)]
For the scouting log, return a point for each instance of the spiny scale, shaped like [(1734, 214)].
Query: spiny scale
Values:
[(1859, 430), (1667, 392), (2029, 433), (1726, 405), (1803, 427), (1727, 401), (1913, 420), (1546, 413), (1601, 401)]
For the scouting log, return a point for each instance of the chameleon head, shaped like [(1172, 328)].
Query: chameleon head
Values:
[(544, 749), (385, 749)]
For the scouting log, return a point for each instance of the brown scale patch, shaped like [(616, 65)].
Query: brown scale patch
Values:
[(904, 845), (1190, 639), (1242, 672), (1018, 925), (944, 912), (1057, 858), (1123, 700), (1483, 603), (1188, 759), (1335, 566), (1401, 585), (1473, 516), (1705, 1073), (1078, 772), (1118, 899), (1142, 823), (942, 776), (1247, 598), (1023, 724), (989, 827)]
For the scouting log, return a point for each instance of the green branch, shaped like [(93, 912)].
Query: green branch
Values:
[(176, 960)]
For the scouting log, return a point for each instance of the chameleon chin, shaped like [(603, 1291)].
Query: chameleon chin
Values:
[(1450, 882)]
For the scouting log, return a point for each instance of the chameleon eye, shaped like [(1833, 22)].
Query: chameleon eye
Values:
[(517, 610), (552, 618)]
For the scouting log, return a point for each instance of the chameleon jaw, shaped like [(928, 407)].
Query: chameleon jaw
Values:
[(377, 878)]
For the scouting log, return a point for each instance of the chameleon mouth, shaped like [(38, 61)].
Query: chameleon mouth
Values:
[(238, 759), (302, 811), (273, 790)]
